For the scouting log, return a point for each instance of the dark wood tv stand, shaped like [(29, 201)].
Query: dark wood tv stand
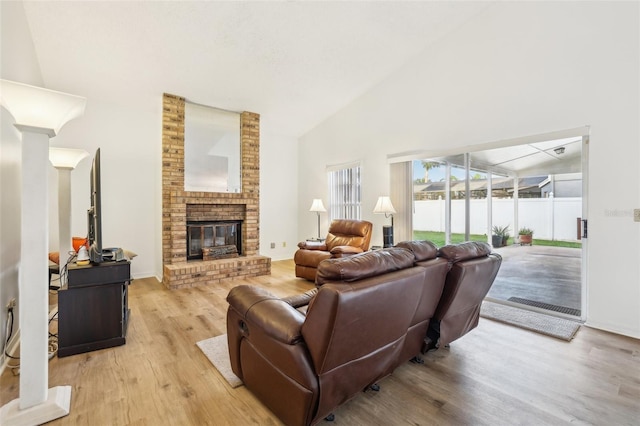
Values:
[(93, 310)]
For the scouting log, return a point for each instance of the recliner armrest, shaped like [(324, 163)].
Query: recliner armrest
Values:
[(272, 315), (340, 251), (302, 299), (312, 245)]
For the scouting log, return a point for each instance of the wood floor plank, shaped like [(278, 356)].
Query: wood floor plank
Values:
[(496, 375)]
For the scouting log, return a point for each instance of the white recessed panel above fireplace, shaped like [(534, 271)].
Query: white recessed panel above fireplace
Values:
[(211, 149)]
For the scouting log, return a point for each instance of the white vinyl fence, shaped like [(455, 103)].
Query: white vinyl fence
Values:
[(550, 218)]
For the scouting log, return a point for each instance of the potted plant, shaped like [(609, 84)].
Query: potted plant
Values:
[(526, 235), (500, 235), (505, 237)]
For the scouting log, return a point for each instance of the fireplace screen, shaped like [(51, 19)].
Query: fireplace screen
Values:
[(213, 240)]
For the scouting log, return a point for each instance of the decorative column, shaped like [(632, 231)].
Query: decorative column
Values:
[(39, 114), (65, 160)]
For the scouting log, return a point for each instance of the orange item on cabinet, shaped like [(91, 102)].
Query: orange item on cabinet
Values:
[(77, 242)]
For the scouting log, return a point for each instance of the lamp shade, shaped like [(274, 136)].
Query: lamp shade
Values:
[(39, 110), (384, 206), (66, 158), (317, 206)]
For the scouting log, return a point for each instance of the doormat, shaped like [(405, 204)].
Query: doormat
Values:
[(217, 350), (533, 321), (547, 306)]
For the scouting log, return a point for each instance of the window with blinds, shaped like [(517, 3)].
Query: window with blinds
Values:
[(344, 192)]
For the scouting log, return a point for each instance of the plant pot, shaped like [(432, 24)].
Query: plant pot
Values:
[(496, 241), (526, 239)]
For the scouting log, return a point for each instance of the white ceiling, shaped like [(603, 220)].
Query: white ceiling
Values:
[(295, 63)]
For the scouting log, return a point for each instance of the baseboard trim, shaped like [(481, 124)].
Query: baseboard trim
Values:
[(12, 349)]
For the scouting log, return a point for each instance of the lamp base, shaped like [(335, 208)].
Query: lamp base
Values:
[(55, 406), (387, 236)]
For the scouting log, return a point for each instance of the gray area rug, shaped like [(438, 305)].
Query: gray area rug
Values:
[(217, 350), (534, 321)]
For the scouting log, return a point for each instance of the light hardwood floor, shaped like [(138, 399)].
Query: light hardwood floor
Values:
[(495, 375)]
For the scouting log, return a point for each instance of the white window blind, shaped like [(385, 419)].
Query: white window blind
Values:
[(344, 191)]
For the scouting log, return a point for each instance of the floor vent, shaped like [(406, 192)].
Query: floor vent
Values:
[(547, 306)]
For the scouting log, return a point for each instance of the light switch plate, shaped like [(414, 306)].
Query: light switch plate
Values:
[(636, 215)]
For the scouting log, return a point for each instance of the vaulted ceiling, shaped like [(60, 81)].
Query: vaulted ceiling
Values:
[(295, 63)]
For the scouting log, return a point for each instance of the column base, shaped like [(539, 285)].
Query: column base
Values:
[(55, 406)]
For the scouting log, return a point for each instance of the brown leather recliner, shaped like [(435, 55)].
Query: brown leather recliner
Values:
[(473, 268), (369, 315), (345, 237)]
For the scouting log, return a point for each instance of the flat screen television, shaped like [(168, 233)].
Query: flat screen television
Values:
[(94, 214)]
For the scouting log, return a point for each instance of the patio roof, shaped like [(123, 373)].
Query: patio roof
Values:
[(555, 156), (501, 183)]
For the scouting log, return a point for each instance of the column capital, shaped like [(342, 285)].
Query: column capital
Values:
[(39, 110)]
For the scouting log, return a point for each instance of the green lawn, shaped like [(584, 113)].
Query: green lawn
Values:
[(438, 239)]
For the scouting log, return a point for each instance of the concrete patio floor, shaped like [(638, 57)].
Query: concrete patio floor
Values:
[(543, 274)]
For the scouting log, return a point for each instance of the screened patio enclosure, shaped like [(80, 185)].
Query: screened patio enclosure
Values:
[(538, 185)]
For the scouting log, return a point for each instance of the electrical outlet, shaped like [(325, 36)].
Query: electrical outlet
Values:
[(636, 215), (11, 304), (273, 245)]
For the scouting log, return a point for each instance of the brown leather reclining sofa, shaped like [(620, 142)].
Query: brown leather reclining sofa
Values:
[(369, 314)]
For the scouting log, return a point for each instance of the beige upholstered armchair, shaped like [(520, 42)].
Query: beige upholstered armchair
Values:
[(345, 237)]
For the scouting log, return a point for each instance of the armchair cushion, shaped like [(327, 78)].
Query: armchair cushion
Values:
[(344, 232)]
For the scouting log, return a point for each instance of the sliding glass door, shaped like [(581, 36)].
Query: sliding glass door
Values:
[(498, 194)]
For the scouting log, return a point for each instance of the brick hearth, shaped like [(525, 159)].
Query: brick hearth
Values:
[(179, 206)]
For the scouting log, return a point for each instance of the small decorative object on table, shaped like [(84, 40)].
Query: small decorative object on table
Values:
[(83, 256)]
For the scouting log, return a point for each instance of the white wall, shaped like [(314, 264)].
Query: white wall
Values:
[(278, 193), (129, 138), (518, 69)]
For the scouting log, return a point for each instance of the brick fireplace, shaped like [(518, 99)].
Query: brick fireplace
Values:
[(180, 207)]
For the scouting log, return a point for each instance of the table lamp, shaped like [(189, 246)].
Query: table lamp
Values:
[(317, 207), (384, 206)]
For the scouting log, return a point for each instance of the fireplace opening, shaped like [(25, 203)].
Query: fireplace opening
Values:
[(214, 239)]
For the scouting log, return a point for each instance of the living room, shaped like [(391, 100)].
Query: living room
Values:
[(496, 71)]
